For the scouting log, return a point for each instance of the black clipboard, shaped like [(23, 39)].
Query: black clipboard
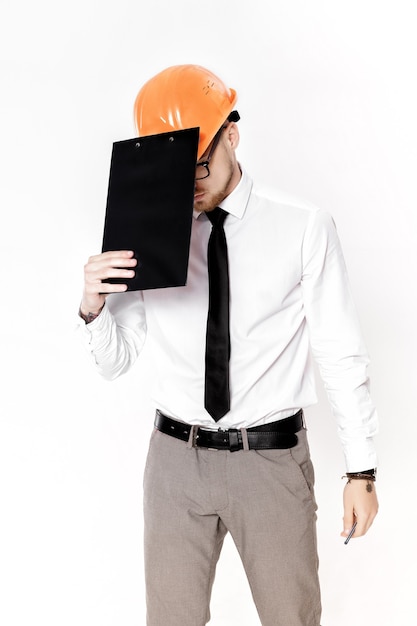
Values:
[(150, 206)]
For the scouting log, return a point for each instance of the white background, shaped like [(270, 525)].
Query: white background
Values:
[(327, 95)]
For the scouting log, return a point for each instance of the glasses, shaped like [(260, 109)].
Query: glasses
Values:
[(202, 169)]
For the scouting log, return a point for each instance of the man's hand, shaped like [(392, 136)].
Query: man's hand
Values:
[(360, 505), (114, 264)]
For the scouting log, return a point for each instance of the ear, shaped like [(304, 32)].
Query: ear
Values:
[(232, 135)]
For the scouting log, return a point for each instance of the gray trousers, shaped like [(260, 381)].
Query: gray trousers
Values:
[(265, 499)]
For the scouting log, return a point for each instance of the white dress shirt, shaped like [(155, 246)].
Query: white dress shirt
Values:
[(289, 300)]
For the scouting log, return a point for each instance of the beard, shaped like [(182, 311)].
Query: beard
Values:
[(212, 199)]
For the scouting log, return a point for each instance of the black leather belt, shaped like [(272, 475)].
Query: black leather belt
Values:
[(279, 435)]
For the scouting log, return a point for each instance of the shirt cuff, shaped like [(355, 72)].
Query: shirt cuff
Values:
[(94, 329)]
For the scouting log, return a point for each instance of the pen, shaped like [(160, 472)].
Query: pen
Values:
[(350, 535)]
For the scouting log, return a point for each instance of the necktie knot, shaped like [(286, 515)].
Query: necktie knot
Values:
[(217, 216)]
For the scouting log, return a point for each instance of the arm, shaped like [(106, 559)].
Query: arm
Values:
[(115, 328), (338, 349)]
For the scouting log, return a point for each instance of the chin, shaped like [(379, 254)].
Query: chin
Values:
[(203, 206)]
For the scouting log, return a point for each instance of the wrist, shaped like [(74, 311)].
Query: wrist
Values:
[(369, 474), (89, 316)]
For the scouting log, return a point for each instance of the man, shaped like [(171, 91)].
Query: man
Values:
[(234, 458)]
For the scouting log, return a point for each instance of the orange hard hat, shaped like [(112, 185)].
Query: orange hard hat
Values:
[(184, 96)]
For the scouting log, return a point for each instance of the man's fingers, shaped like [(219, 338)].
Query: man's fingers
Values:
[(105, 289), (114, 258), (98, 274), (363, 524), (121, 256), (114, 264), (348, 522)]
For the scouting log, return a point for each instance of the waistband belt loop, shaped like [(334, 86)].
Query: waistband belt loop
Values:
[(245, 441), (191, 437)]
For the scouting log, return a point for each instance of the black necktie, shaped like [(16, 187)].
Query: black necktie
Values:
[(216, 395)]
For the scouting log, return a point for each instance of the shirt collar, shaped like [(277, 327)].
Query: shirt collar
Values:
[(236, 202)]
